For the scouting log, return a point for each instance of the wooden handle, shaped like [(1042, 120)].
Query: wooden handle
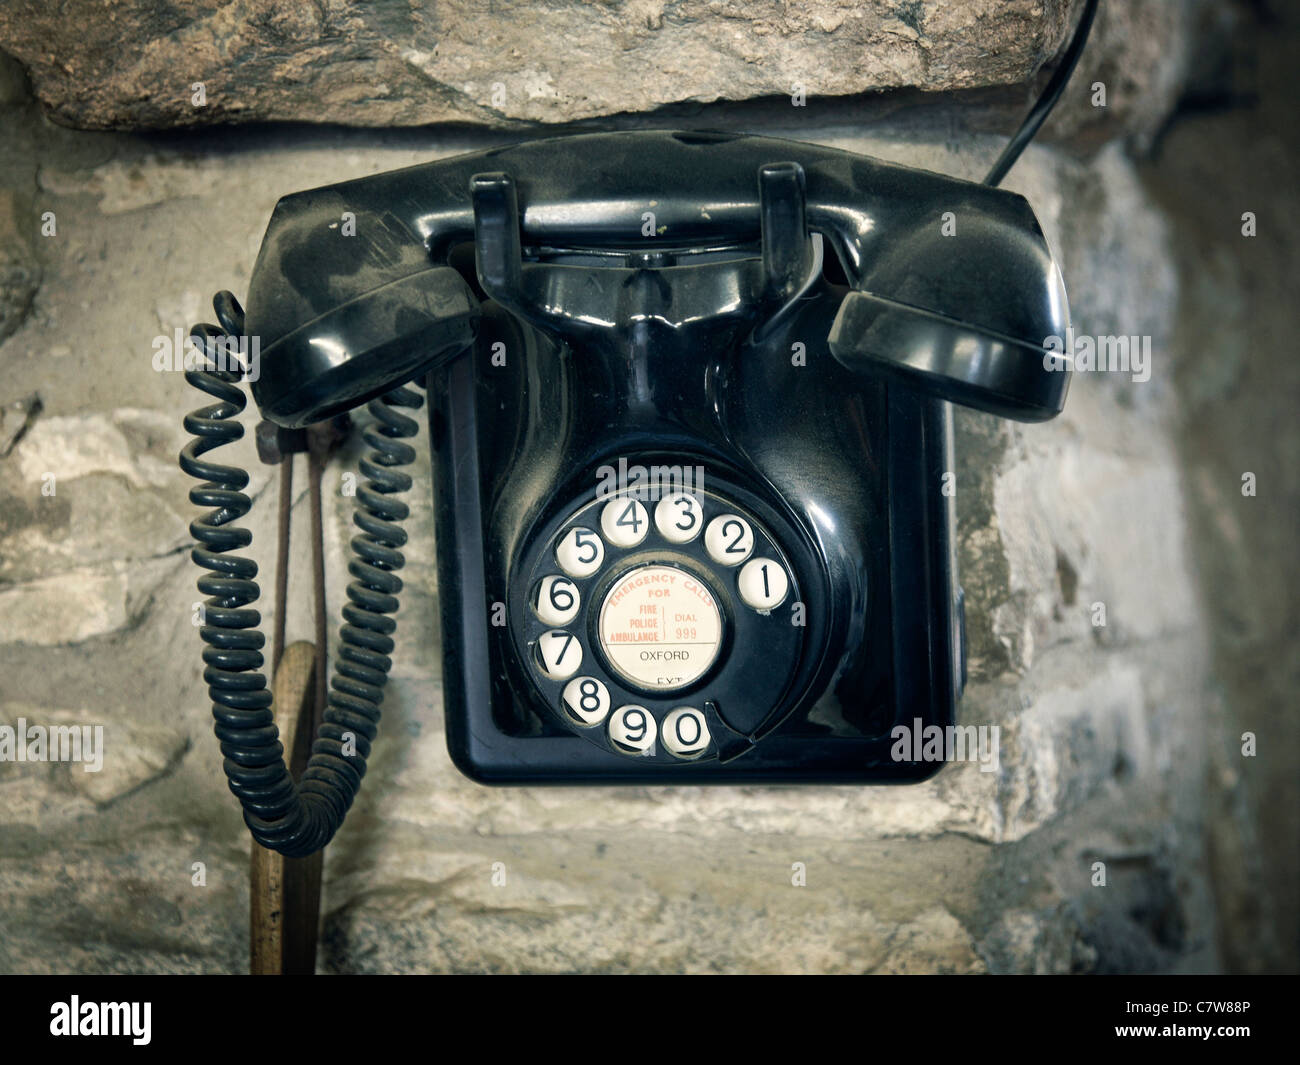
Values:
[(284, 893)]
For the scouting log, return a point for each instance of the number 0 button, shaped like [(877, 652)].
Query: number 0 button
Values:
[(557, 601), (586, 700), (559, 654), (685, 733), (632, 729), (624, 522), (580, 552), (763, 584), (729, 540)]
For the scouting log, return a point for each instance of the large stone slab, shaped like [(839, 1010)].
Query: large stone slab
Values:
[(137, 64)]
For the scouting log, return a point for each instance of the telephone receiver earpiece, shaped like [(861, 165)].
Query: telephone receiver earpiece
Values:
[(342, 319), (969, 317)]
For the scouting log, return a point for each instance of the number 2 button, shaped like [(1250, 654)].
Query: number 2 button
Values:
[(729, 540)]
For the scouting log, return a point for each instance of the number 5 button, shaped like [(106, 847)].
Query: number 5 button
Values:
[(559, 654), (580, 552), (763, 584), (729, 540)]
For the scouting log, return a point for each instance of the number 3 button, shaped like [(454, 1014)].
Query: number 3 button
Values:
[(763, 584), (580, 552), (679, 518)]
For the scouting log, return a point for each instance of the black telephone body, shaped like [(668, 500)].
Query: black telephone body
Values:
[(690, 433)]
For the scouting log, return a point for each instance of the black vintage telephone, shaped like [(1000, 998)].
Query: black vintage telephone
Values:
[(690, 426)]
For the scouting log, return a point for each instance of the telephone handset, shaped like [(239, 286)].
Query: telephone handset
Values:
[(689, 428)]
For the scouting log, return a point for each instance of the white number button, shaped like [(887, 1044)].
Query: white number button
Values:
[(729, 540), (557, 601), (580, 552), (586, 700), (632, 729), (679, 518), (685, 732), (624, 522), (559, 654), (763, 584)]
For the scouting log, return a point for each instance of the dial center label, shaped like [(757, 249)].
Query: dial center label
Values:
[(660, 627)]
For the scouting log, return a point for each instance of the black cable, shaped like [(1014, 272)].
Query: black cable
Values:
[(1044, 104), (296, 819)]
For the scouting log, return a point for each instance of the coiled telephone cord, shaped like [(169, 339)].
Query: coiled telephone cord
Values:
[(296, 819)]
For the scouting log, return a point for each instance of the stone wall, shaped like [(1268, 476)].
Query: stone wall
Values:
[(1118, 738)]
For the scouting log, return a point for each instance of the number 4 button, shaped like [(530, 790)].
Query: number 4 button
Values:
[(624, 522)]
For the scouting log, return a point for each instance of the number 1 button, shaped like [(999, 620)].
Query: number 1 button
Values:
[(580, 552), (763, 584)]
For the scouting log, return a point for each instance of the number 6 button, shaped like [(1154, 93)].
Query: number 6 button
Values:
[(558, 654), (632, 729), (580, 552), (557, 601)]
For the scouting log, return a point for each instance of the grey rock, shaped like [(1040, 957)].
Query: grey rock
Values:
[(403, 63), (19, 271)]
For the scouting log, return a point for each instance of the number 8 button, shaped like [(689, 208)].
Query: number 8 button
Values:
[(586, 700)]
